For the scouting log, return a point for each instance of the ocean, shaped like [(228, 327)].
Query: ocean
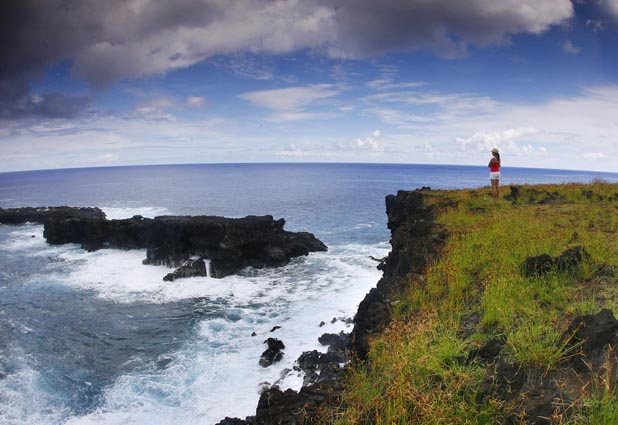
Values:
[(99, 338)]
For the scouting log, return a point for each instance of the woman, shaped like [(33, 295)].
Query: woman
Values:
[(494, 172)]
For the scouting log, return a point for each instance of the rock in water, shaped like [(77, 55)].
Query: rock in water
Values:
[(42, 215), (230, 244), (190, 268), (273, 353)]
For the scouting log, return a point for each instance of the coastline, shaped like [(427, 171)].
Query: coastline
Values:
[(508, 386)]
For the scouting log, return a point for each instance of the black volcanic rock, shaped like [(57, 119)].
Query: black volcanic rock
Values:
[(304, 407), (42, 215), (190, 268), (542, 264), (415, 238), (592, 334), (273, 353), (230, 244)]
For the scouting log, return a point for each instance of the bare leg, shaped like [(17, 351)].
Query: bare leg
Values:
[(495, 188)]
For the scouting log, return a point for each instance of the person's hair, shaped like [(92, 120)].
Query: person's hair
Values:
[(497, 155)]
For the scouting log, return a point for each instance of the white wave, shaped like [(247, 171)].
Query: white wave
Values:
[(23, 397), (25, 237), (217, 374)]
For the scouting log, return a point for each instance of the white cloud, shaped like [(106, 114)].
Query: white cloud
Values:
[(196, 101), (290, 99), (389, 84), (506, 140), (595, 155), (409, 109), (368, 143), (570, 48), (464, 127), (155, 109), (290, 103)]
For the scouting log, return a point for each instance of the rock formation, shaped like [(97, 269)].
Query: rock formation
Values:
[(230, 244), (415, 239), (42, 215)]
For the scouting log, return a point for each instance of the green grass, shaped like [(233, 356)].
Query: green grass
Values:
[(418, 371)]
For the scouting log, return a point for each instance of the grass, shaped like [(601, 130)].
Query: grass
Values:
[(419, 370)]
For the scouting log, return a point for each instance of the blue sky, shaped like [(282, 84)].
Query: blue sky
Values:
[(127, 82)]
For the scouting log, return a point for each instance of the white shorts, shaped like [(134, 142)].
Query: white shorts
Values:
[(494, 175)]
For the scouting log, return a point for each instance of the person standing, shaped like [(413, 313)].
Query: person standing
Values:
[(494, 172)]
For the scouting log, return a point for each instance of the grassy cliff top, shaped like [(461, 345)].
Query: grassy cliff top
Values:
[(485, 335)]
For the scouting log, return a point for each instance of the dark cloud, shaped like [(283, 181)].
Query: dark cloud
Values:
[(16, 102), (107, 40), (445, 26), (36, 33)]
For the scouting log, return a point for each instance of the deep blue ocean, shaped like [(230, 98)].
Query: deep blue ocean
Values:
[(99, 338)]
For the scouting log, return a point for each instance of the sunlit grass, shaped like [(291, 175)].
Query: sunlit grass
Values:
[(419, 370)]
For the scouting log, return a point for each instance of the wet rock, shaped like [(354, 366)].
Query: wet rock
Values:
[(231, 244), (275, 328), (335, 342), (273, 353), (309, 361), (190, 268), (42, 215), (233, 421), (303, 407)]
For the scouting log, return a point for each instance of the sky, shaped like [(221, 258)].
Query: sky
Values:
[(132, 82)]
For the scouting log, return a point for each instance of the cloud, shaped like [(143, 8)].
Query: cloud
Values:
[(291, 98), (156, 109), (388, 84), (357, 150), (409, 109), (117, 39), (246, 66), (109, 157), (570, 48), (506, 140), (610, 7), (195, 101), (16, 102), (290, 103), (369, 143), (595, 155), (597, 25)]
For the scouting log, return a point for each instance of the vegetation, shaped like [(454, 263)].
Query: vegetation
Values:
[(422, 369)]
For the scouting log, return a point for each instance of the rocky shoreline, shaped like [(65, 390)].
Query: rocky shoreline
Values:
[(228, 244), (415, 238)]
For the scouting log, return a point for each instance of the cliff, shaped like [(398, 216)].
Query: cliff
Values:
[(415, 239), (487, 312)]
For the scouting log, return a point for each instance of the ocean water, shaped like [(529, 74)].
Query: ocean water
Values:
[(99, 338)]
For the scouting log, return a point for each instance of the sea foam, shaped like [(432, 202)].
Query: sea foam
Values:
[(216, 374)]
